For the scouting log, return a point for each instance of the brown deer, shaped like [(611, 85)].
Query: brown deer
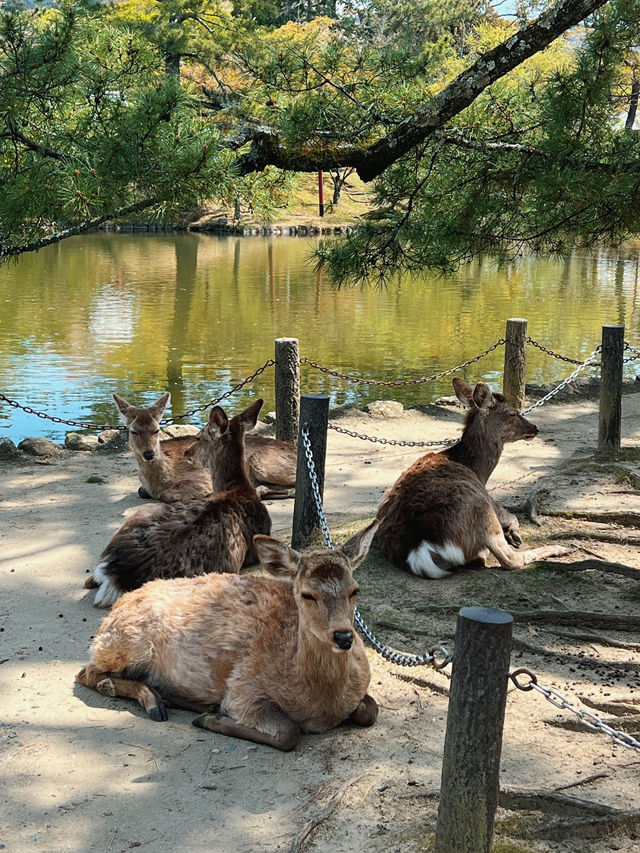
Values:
[(265, 658), (438, 514), (176, 469), (191, 538), (164, 471)]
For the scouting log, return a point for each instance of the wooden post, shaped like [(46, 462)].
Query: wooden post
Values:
[(515, 362), (610, 420), (471, 763), (287, 388), (314, 414), (321, 192)]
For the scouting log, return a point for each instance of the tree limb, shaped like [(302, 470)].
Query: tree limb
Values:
[(370, 161)]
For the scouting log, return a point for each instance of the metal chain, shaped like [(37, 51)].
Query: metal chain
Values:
[(588, 362), (391, 441), (436, 656), (635, 354), (164, 422), (591, 721), (397, 382)]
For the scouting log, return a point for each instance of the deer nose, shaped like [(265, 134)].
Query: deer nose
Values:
[(148, 455), (344, 639)]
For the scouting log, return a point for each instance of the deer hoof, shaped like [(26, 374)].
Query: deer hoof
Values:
[(158, 714), (513, 538), (143, 493)]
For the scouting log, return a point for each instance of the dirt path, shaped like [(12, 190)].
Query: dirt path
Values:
[(81, 772)]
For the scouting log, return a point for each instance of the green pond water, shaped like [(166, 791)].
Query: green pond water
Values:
[(195, 314)]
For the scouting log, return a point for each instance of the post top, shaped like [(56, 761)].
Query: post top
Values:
[(314, 396), (287, 340), (487, 615), (517, 320)]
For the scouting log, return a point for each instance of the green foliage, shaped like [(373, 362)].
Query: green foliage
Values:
[(91, 124)]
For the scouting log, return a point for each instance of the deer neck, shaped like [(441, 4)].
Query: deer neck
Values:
[(478, 449), (229, 471), (317, 663)]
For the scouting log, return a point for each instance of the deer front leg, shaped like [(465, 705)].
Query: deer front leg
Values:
[(509, 523), (366, 713), (111, 685), (284, 734)]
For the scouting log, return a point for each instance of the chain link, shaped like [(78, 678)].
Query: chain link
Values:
[(398, 382), (391, 441), (591, 721), (436, 656), (164, 422), (588, 362)]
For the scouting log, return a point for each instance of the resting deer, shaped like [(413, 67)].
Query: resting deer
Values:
[(176, 469), (264, 658), (438, 514), (165, 472), (192, 537)]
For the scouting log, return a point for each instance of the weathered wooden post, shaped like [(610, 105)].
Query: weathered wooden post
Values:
[(610, 419), (314, 416), (471, 763), (287, 388), (515, 362)]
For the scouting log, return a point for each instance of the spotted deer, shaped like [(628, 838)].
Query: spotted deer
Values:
[(439, 515), (165, 473), (175, 469), (260, 658), (189, 538)]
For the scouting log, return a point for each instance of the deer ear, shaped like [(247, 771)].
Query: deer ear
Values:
[(249, 417), (482, 396), (218, 421), (357, 547), (160, 404), (464, 392), (125, 408), (276, 557)]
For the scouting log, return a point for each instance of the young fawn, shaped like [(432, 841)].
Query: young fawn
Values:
[(438, 514), (165, 472), (193, 537), (176, 469), (265, 658)]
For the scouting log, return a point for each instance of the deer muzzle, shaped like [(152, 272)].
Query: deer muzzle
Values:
[(344, 639), (148, 455)]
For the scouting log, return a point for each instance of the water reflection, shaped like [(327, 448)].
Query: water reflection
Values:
[(195, 314)]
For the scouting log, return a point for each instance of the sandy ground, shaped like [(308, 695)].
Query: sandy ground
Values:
[(82, 772)]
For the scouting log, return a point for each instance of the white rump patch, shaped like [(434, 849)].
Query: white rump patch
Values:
[(98, 573), (108, 593), (421, 561)]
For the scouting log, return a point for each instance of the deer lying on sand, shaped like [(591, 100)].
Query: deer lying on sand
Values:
[(193, 537), (264, 658), (438, 514), (175, 469), (165, 472)]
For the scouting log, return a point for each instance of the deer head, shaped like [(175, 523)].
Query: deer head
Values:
[(498, 417), (323, 584), (220, 443), (143, 425)]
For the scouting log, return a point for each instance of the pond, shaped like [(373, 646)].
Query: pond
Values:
[(195, 313)]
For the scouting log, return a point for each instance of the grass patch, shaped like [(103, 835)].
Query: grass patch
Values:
[(95, 479)]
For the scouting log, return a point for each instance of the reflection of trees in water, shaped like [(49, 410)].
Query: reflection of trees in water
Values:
[(186, 249)]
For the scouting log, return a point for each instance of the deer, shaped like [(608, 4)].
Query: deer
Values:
[(263, 658), (438, 515), (190, 538), (175, 469), (165, 472)]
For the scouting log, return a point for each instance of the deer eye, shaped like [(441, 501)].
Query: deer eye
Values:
[(354, 593), (155, 432), (307, 596), (133, 432)]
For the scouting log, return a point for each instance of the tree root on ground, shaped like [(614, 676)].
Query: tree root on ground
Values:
[(619, 622), (625, 706), (591, 564), (322, 815), (630, 725), (598, 639)]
